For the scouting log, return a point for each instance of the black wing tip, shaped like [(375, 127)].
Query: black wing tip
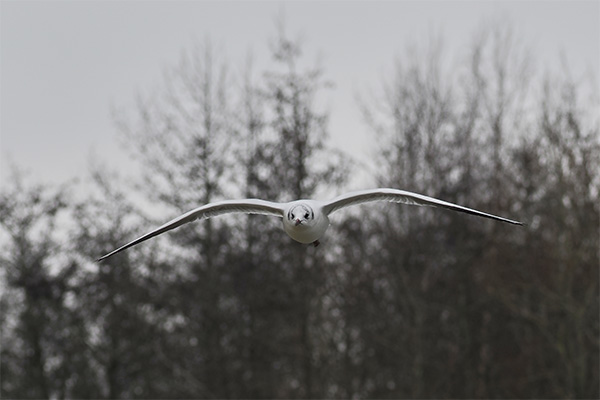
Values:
[(513, 222), (104, 257)]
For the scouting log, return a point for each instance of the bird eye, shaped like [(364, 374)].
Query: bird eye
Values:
[(306, 216), (293, 216)]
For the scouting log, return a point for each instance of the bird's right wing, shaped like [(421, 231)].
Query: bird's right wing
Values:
[(248, 206), (402, 196)]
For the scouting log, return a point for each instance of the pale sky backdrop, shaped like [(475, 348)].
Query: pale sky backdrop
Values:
[(64, 63)]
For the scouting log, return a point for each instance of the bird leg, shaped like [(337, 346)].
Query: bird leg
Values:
[(316, 243)]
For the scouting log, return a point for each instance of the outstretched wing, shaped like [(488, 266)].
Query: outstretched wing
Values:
[(401, 196), (248, 206)]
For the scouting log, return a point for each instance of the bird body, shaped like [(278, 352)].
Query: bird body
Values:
[(305, 220)]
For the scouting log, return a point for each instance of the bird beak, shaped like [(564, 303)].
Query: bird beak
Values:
[(298, 222)]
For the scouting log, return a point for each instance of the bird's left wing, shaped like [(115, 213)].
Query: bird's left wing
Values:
[(401, 196), (248, 206)]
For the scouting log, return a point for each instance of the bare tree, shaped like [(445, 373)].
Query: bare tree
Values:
[(35, 284), (490, 143), (182, 135)]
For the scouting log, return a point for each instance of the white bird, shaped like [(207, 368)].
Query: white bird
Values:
[(304, 220)]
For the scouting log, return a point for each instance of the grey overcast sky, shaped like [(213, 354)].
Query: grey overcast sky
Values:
[(64, 62)]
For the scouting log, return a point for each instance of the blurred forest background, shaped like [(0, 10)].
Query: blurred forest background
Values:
[(397, 302)]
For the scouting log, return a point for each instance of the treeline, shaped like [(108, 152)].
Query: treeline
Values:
[(397, 302)]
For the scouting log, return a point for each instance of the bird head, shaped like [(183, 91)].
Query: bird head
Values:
[(300, 214)]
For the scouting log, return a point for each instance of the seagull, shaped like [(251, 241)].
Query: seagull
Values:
[(305, 220)]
